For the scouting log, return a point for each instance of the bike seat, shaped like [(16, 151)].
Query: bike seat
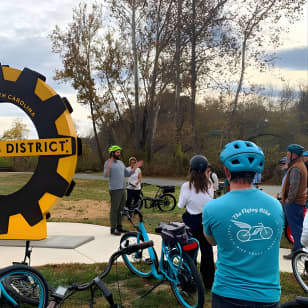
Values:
[(160, 227)]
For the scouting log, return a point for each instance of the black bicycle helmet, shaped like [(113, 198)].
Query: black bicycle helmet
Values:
[(199, 163)]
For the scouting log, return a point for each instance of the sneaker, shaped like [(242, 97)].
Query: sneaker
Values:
[(289, 256), (114, 231), (121, 230)]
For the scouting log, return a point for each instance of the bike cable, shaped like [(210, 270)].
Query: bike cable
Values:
[(116, 262)]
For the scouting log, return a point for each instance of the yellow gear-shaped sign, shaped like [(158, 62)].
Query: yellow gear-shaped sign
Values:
[(23, 213)]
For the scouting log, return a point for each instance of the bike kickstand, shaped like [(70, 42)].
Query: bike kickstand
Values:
[(150, 290)]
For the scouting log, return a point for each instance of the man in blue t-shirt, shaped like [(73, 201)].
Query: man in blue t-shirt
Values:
[(246, 225)]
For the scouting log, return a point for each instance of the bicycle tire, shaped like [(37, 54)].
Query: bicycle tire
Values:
[(25, 285), (136, 262), (167, 202), (300, 268), (189, 292)]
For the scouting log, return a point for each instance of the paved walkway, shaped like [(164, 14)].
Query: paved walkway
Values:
[(97, 250), (270, 189)]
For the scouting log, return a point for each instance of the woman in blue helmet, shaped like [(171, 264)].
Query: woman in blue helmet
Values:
[(246, 225)]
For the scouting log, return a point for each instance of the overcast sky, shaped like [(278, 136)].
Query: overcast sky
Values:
[(25, 24)]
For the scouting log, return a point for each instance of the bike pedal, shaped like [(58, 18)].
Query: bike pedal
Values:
[(148, 261)]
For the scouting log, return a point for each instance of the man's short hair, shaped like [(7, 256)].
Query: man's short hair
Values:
[(243, 177)]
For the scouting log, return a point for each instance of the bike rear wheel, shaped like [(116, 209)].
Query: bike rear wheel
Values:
[(139, 262), (188, 289), (300, 268), (25, 285), (167, 202)]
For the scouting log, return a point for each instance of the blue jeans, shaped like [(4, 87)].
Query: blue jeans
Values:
[(294, 215), (226, 302)]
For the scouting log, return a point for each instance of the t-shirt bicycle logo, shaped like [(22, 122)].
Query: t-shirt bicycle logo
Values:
[(252, 233)]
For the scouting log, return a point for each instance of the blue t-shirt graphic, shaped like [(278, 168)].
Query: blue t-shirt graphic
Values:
[(247, 226)]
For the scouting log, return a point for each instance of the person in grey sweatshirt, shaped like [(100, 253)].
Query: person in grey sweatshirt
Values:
[(115, 169)]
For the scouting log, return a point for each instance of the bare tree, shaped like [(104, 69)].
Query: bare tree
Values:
[(129, 15), (155, 66), (178, 108), (252, 19), (205, 34), (77, 46)]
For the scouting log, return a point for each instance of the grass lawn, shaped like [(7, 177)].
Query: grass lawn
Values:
[(131, 286)]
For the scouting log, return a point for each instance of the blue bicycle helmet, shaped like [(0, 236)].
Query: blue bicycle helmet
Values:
[(241, 155), (296, 148), (305, 153)]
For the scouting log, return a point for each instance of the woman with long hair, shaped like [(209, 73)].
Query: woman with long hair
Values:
[(193, 196), (134, 184)]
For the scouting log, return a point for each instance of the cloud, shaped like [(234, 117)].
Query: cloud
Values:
[(293, 59)]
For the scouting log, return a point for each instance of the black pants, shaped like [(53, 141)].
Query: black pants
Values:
[(225, 302), (132, 197), (207, 266)]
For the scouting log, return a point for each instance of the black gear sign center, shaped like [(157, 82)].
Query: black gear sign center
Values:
[(52, 178)]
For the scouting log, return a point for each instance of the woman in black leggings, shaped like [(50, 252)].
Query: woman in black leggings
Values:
[(193, 196)]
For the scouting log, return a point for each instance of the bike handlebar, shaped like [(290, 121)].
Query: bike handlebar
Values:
[(127, 249), (134, 248), (128, 212)]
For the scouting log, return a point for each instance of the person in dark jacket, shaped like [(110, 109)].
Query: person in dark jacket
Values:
[(294, 194)]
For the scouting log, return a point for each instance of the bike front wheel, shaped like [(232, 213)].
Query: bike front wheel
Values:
[(187, 285), (300, 268), (25, 285), (139, 262), (167, 202)]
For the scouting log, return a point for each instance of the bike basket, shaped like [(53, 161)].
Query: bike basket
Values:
[(168, 189), (174, 232)]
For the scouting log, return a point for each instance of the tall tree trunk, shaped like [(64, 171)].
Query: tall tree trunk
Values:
[(136, 80), (152, 126), (153, 110), (193, 78), (178, 109), (99, 151), (238, 91)]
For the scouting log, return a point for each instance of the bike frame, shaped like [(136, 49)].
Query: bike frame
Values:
[(154, 201), (7, 296), (161, 272)]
